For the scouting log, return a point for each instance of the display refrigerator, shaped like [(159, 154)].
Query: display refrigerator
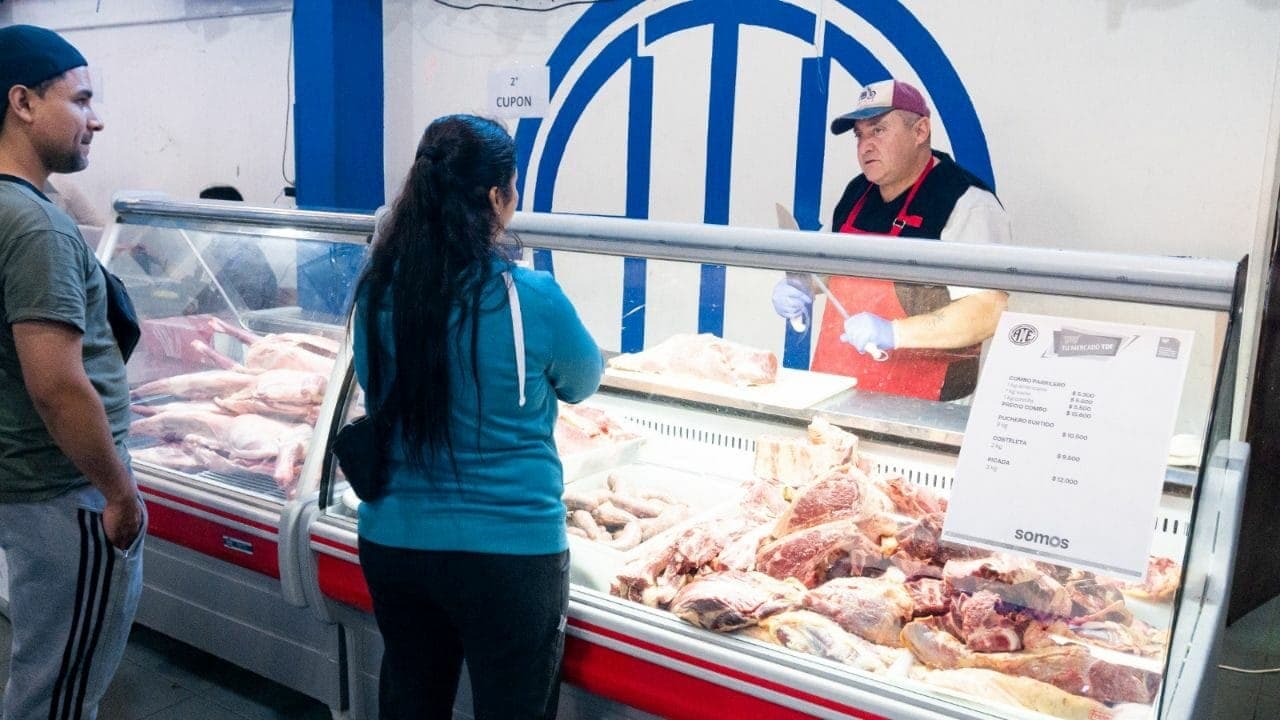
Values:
[(241, 320), (749, 538)]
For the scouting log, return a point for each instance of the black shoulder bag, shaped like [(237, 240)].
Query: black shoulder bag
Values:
[(360, 449), (361, 445), (121, 315)]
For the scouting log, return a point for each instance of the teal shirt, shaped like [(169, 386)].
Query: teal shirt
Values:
[(505, 496)]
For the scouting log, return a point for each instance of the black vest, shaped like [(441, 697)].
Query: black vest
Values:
[(934, 202)]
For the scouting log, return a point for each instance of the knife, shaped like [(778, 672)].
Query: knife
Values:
[(787, 221)]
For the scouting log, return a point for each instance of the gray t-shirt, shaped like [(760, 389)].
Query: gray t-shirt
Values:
[(47, 273)]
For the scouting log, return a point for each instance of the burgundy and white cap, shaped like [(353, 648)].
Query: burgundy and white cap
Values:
[(879, 98)]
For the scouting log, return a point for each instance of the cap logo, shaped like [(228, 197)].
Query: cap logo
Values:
[(867, 94)]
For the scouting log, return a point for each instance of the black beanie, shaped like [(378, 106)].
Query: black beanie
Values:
[(29, 55)]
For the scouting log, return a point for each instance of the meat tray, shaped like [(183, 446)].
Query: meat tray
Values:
[(793, 390), (595, 565)]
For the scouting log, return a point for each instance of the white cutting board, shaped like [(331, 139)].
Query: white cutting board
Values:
[(794, 389)]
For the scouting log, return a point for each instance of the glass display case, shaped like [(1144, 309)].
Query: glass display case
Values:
[(240, 338), (755, 540), (234, 360)]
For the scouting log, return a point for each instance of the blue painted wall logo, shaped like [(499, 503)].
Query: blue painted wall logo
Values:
[(591, 64)]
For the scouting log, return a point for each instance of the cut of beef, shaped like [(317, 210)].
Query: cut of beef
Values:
[(871, 608), (731, 600)]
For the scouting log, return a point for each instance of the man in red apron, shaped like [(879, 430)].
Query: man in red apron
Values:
[(913, 340)]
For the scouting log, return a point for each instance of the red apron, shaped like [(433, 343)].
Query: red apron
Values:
[(906, 372)]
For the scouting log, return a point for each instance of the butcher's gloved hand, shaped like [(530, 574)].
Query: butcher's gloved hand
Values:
[(866, 329), (792, 299)]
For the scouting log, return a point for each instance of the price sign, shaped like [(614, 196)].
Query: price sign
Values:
[(519, 91), (1067, 445)]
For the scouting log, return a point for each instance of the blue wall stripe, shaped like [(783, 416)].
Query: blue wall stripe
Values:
[(811, 144), (593, 22), (611, 59), (338, 141), (526, 134), (639, 159), (772, 14), (719, 177)]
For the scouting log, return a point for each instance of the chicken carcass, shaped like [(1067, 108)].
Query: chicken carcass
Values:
[(730, 600), (203, 385), (703, 357), (174, 424), (1069, 667), (579, 429), (871, 608), (170, 455)]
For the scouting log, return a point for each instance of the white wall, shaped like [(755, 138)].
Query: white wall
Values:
[(192, 93), (1137, 126)]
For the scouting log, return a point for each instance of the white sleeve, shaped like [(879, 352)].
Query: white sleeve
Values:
[(977, 218)]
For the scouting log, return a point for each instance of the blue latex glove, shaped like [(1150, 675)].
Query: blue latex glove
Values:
[(866, 329), (792, 299)]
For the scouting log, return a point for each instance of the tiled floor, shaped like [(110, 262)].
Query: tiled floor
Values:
[(162, 679)]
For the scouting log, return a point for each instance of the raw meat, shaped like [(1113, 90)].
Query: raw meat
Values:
[(977, 621), (1015, 580), (731, 600), (814, 634), (1069, 667), (928, 596), (844, 493), (871, 608), (1161, 583), (176, 424), (809, 555), (579, 429), (703, 357), (170, 455), (912, 499), (740, 554), (796, 461), (922, 540), (203, 385), (1019, 692), (764, 500)]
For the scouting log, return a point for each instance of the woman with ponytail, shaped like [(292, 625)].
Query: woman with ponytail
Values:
[(464, 356)]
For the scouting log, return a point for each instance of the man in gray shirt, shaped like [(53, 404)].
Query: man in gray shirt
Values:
[(71, 520)]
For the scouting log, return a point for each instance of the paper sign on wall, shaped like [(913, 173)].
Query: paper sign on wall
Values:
[(519, 91), (1066, 449)]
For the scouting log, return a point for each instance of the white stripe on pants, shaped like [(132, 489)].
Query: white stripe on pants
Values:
[(72, 598)]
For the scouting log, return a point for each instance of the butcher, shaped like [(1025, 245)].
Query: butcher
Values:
[(913, 340)]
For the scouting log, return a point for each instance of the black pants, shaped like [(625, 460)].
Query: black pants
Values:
[(503, 614)]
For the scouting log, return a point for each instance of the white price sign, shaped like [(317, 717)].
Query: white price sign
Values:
[(1066, 449), (519, 91)]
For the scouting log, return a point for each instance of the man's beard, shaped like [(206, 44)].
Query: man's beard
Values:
[(68, 163)]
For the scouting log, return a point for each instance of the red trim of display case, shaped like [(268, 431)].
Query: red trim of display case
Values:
[(212, 538)]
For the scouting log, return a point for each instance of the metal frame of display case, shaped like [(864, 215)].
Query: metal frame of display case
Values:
[(626, 656)]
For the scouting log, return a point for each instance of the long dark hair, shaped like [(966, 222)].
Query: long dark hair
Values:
[(435, 254)]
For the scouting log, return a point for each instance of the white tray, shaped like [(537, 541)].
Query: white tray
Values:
[(794, 389)]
